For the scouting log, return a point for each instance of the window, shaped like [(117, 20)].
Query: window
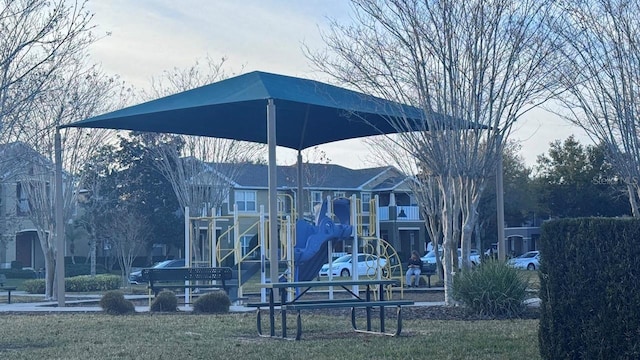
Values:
[(245, 241), (246, 201), (22, 203), (365, 230), (316, 199), (339, 194), (366, 202), (282, 204)]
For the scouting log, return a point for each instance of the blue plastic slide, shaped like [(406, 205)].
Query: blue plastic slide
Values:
[(311, 241)]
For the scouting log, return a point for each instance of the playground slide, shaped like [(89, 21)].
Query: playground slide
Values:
[(311, 246)]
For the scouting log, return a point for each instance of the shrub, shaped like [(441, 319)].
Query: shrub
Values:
[(34, 286), (114, 303), (71, 270), (19, 273), (492, 288), (212, 303), (590, 298), (165, 301), (84, 283)]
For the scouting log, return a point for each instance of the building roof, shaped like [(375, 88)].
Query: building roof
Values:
[(315, 176), (18, 158)]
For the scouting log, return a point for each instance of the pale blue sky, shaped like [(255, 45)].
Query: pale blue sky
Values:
[(149, 36)]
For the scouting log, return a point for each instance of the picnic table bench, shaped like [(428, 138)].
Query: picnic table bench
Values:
[(356, 301), (202, 278)]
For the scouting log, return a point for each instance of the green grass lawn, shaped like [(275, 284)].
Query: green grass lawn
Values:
[(233, 336)]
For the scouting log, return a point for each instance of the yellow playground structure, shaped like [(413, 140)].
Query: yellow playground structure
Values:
[(240, 241)]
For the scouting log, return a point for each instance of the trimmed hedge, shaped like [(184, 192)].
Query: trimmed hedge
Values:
[(589, 276), (18, 274), (71, 270), (84, 283)]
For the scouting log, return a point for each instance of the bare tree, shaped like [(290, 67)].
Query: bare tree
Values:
[(77, 93), (196, 166), (38, 37), (424, 186), (127, 233), (472, 67), (600, 74)]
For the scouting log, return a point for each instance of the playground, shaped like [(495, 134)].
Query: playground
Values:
[(241, 241)]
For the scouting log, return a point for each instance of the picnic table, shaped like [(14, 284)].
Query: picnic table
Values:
[(298, 303)]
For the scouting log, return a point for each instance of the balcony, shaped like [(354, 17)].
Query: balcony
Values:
[(412, 213)]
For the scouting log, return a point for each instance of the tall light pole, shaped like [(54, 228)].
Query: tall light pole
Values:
[(500, 200), (59, 271)]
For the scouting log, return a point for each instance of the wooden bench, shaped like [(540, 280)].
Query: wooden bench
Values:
[(184, 278)]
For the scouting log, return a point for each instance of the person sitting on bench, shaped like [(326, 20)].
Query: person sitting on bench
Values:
[(415, 268)]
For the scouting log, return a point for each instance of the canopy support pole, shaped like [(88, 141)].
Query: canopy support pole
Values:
[(299, 199), (273, 192)]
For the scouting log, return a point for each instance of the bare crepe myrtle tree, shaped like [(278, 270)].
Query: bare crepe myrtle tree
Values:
[(126, 233), (600, 76), (38, 37), (424, 186), (76, 93), (472, 67), (197, 166)]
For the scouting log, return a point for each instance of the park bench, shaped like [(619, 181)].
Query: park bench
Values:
[(425, 274), (205, 278), (8, 289)]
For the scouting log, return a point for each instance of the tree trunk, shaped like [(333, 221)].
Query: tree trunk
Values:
[(447, 242), (92, 255), (634, 194), (50, 272)]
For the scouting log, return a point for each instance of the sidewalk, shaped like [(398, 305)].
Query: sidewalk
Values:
[(75, 304)]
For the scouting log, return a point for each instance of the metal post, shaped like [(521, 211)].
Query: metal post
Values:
[(273, 188), (300, 198), (187, 247), (59, 274), (500, 201)]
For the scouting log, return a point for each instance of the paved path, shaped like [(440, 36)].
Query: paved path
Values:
[(75, 304)]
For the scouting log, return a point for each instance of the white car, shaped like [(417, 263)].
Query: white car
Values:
[(429, 259), (342, 266), (529, 260)]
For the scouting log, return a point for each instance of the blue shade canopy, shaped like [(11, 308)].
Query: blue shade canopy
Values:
[(308, 113)]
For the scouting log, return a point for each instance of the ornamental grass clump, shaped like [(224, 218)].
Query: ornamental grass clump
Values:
[(217, 302), (166, 301), (491, 289), (114, 303)]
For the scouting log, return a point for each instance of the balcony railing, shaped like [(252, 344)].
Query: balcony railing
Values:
[(412, 213)]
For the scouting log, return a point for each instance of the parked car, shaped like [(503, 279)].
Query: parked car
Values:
[(136, 276), (429, 259), (342, 266), (529, 260)]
